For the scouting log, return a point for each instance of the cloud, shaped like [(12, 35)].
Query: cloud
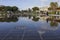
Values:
[(43, 0), (50, 0)]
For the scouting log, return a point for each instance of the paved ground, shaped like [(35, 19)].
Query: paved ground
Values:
[(19, 33), (27, 33)]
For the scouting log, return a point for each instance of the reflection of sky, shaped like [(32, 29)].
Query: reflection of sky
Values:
[(6, 25), (40, 25), (29, 27), (25, 23), (23, 4)]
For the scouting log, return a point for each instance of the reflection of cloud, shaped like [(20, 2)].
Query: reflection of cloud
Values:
[(50, 0), (21, 27), (46, 28), (41, 32), (29, 30), (53, 28)]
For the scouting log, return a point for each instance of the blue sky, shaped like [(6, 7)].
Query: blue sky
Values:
[(24, 4)]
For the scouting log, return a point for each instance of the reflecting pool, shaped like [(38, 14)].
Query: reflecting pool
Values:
[(29, 28)]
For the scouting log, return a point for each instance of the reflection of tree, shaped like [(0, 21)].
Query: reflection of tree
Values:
[(8, 19), (35, 18), (29, 16), (47, 20), (53, 23)]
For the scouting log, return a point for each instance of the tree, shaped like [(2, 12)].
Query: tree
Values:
[(35, 8), (2, 8), (53, 5), (8, 8), (14, 8), (29, 10)]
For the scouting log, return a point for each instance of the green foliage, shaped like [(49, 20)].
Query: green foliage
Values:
[(34, 14), (9, 8), (29, 10), (14, 8), (52, 12), (2, 8), (35, 8), (35, 18), (53, 6), (8, 20), (53, 23)]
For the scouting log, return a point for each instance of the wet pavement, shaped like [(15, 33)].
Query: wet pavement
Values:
[(19, 34)]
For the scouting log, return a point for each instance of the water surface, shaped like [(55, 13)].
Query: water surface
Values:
[(26, 28)]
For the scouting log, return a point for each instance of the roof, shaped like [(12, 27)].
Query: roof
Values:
[(56, 8)]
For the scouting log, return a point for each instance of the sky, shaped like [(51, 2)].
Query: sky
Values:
[(24, 4)]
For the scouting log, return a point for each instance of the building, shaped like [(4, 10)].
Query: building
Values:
[(44, 8), (43, 11), (56, 15)]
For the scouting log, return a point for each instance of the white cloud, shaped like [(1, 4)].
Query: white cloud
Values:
[(43, 0), (56, 0), (50, 0)]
